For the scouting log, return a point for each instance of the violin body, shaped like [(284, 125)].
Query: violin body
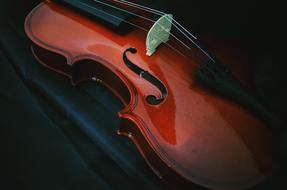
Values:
[(193, 138)]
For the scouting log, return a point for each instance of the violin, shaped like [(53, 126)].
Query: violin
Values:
[(184, 110)]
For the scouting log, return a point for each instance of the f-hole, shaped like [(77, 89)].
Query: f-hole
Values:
[(151, 99)]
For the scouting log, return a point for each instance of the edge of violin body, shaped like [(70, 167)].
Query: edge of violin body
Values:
[(129, 128)]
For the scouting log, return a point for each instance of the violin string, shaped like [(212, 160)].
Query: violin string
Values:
[(198, 46), (135, 25), (162, 13), (130, 23), (145, 18), (174, 22)]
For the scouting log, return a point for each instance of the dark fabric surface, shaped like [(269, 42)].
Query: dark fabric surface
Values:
[(57, 136)]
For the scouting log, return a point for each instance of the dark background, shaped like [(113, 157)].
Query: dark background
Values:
[(55, 136)]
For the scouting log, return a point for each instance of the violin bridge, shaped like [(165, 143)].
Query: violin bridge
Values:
[(159, 33)]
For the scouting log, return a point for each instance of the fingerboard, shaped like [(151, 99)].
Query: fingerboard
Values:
[(114, 19)]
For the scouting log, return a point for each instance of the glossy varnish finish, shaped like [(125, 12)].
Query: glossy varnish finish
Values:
[(194, 138)]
